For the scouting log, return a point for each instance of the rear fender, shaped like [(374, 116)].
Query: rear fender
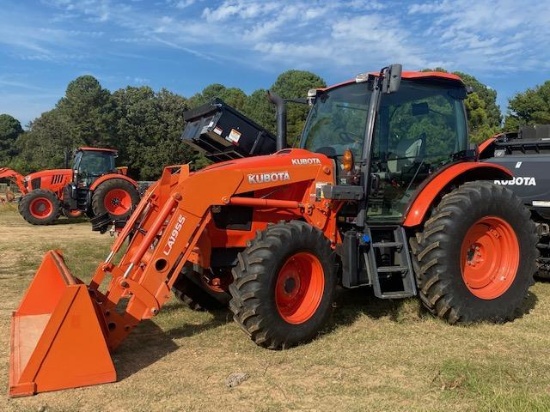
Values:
[(109, 176), (485, 147), (439, 184)]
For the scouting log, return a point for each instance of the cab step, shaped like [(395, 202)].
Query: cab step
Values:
[(389, 262)]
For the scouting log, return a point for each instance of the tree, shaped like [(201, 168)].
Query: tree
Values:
[(294, 84), (89, 110), (484, 117), (528, 108), (10, 130), (233, 96), (46, 145), (148, 127), (259, 109)]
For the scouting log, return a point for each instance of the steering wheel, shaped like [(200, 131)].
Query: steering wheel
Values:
[(350, 137)]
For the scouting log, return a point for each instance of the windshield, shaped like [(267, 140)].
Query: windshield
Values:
[(90, 165), (337, 121)]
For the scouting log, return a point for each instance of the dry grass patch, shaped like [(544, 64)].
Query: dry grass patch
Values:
[(375, 355)]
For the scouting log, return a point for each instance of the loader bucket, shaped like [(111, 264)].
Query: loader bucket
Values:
[(57, 340)]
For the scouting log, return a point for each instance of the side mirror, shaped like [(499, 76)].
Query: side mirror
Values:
[(392, 78)]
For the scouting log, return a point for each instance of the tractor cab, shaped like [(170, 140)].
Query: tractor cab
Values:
[(415, 132), (91, 163)]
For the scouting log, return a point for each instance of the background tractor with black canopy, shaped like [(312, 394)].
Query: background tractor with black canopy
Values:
[(383, 193), (526, 153)]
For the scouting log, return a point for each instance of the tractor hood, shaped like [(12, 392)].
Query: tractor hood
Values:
[(283, 167), (54, 179), (47, 173)]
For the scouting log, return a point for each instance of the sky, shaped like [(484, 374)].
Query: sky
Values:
[(186, 45)]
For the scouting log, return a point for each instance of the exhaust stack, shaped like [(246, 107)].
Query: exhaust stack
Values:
[(281, 118)]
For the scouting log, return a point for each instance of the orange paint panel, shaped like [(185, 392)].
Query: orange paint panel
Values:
[(424, 200)]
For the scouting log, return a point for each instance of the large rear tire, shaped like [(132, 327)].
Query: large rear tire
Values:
[(39, 207), (284, 285), (117, 197), (475, 258)]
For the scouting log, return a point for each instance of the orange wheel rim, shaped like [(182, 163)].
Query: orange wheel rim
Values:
[(41, 207), (117, 202), (489, 257), (299, 288)]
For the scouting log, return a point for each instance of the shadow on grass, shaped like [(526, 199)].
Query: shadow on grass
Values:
[(70, 220), (350, 304), (529, 304), (148, 343)]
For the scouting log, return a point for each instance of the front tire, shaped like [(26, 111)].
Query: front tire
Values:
[(284, 285), (39, 207), (475, 258), (117, 197)]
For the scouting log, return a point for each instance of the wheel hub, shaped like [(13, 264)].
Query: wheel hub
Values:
[(299, 289), (474, 256), (490, 257), (291, 285), (117, 202), (41, 208)]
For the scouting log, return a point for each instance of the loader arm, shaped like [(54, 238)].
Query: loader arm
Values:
[(15, 177), (164, 231)]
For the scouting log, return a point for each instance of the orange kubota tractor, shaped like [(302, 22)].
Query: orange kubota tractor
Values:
[(384, 192), (93, 186)]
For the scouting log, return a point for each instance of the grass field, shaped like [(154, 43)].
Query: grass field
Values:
[(374, 356)]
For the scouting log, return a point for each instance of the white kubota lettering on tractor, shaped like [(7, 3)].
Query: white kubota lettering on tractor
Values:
[(268, 177), (517, 181)]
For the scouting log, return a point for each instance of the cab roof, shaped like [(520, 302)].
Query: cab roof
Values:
[(413, 75)]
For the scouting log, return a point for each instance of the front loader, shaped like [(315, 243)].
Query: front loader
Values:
[(384, 193)]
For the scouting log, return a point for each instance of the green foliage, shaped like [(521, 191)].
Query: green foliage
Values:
[(528, 108), (10, 130), (294, 84), (234, 97), (491, 116), (88, 108), (46, 145), (481, 128), (259, 109), (148, 126), (484, 117)]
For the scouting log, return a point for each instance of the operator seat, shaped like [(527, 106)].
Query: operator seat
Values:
[(406, 154)]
